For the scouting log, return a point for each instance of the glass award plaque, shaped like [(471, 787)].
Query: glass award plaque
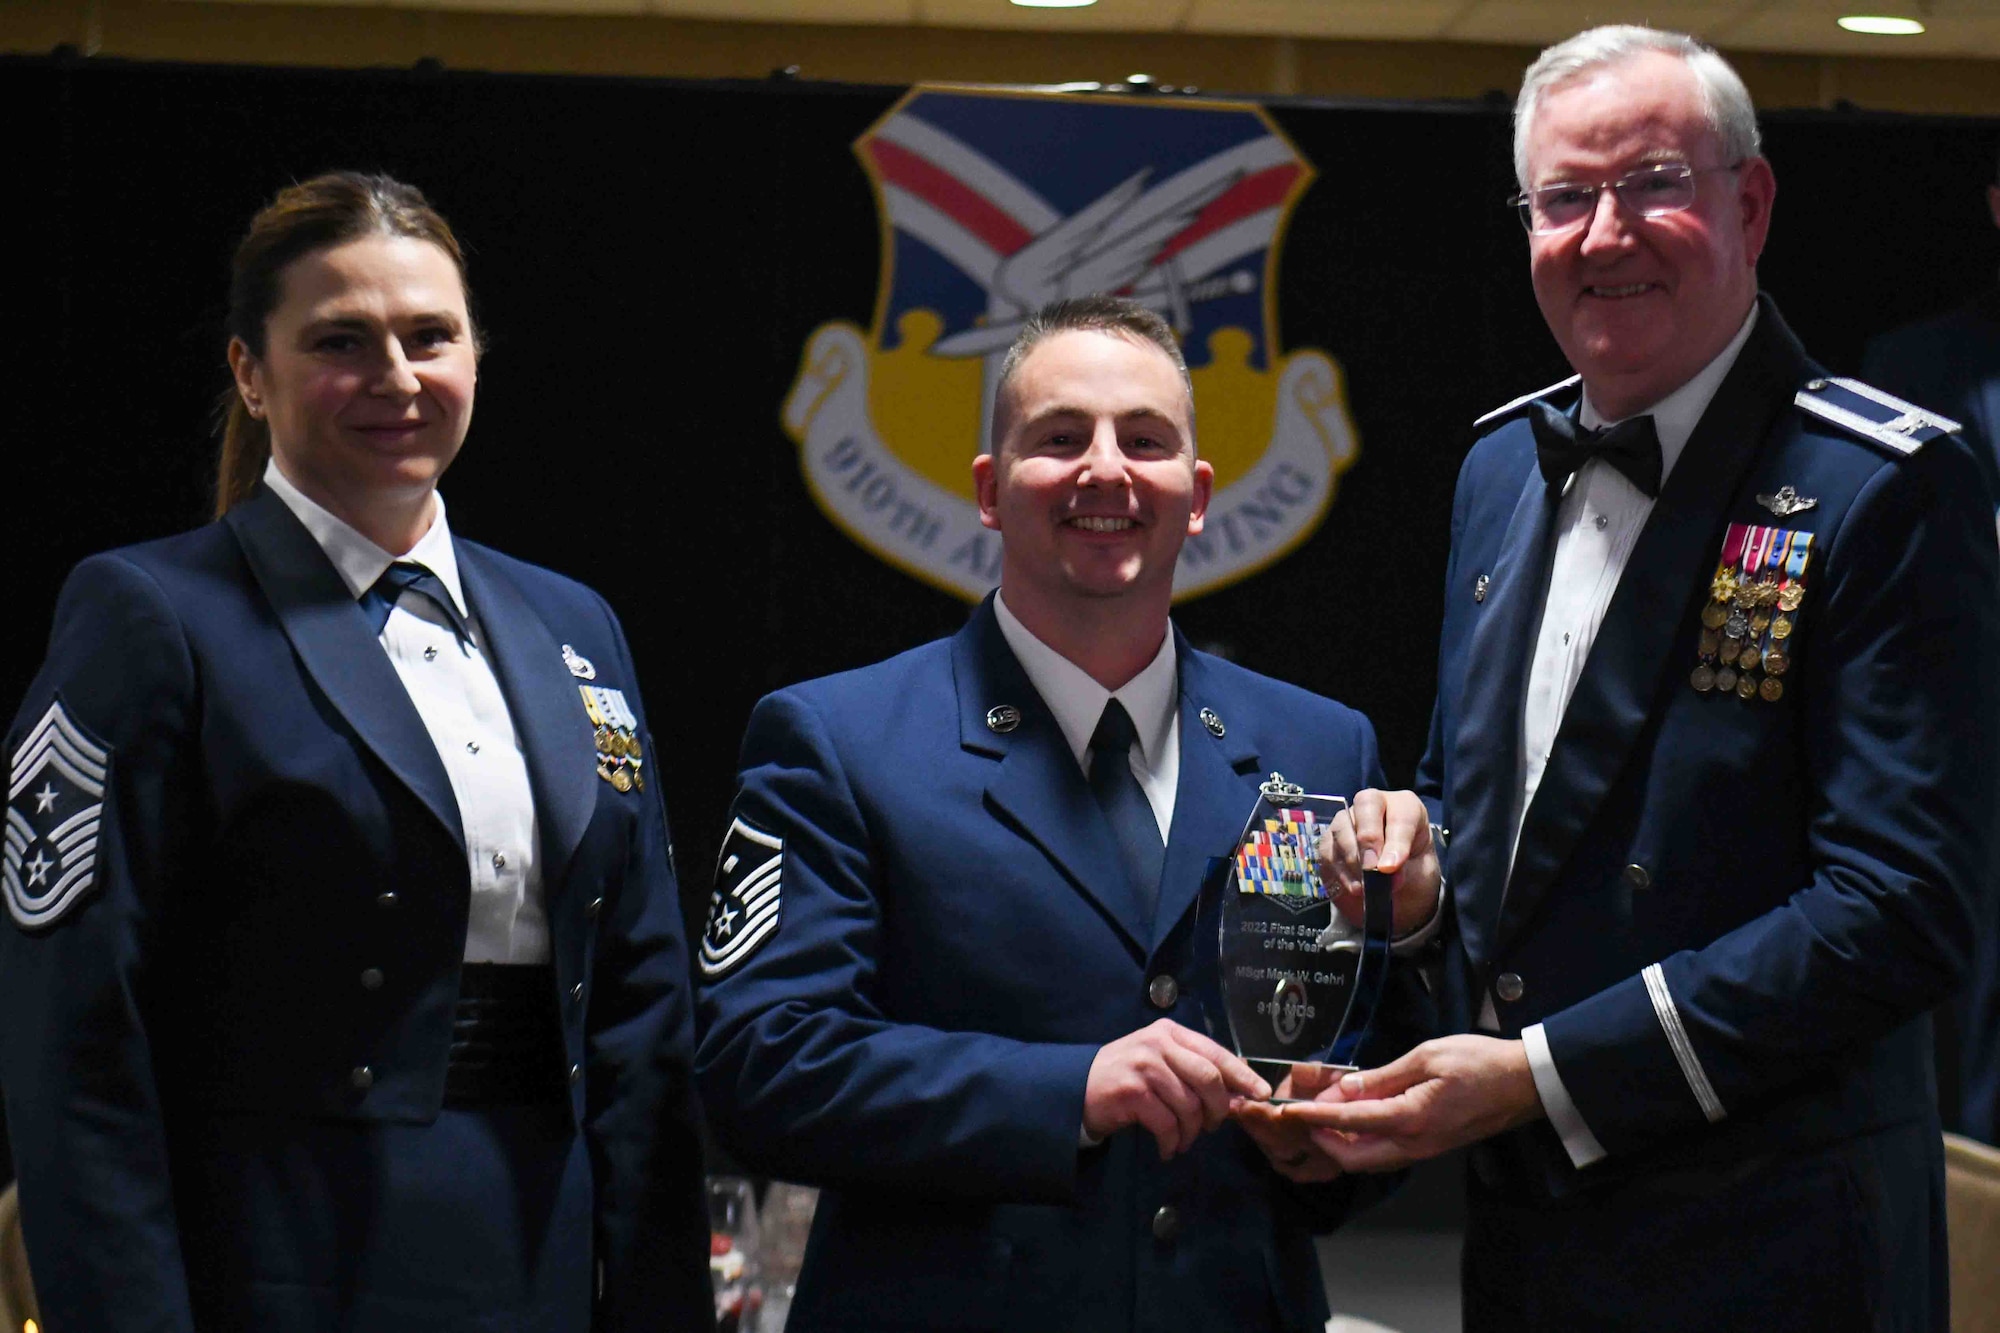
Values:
[(1299, 983)]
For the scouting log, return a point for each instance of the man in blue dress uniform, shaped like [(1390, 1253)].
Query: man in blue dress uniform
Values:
[(1951, 364), (948, 973), (1714, 738)]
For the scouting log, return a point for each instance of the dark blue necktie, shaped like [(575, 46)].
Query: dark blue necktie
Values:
[(409, 576), (1124, 803), (1561, 447)]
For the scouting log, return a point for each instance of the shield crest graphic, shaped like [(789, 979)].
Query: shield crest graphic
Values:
[(995, 202)]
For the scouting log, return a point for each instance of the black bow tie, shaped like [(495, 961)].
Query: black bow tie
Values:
[(1631, 446)]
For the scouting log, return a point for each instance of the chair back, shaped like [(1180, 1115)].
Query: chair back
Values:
[(1972, 1211), (17, 1292)]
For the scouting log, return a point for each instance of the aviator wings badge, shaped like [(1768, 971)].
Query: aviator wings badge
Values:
[(1787, 502)]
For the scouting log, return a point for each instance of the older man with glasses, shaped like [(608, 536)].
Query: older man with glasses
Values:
[(1713, 739)]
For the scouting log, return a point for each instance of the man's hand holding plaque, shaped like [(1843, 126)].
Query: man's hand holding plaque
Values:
[(1305, 909), (1446, 1093), (1306, 919), (1386, 833)]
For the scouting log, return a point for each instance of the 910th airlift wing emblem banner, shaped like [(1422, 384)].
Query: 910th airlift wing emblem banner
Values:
[(993, 203)]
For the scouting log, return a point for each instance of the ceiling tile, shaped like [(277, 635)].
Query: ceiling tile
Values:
[(1104, 16), (1543, 22), (786, 11), (1814, 30), (582, 8), (1959, 29), (1403, 19)]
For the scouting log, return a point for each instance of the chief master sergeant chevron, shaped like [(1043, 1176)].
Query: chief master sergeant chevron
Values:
[(948, 970), (1714, 737)]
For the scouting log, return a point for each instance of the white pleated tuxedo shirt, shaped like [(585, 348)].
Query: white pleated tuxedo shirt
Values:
[(1597, 525)]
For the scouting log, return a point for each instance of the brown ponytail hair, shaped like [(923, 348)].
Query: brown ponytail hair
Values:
[(318, 214)]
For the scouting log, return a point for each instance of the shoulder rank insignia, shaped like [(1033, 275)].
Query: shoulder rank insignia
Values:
[(1501, 413), (55, 798), (1864, 410), (743, 910)]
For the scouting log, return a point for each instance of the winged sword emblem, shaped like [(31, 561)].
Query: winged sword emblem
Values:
[(994, 203)]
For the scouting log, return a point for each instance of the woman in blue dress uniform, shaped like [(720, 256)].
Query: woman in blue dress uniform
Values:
[(345, 975)]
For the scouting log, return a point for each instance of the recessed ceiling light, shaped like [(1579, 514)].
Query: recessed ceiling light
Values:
[(1055, 4), (1879, 25)]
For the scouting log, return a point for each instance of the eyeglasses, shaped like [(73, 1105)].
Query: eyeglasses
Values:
[(1650, 192)]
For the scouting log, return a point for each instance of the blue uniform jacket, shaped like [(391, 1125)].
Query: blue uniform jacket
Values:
[(1951, 364), (915, 1033), (1731, 915), (275, 822)]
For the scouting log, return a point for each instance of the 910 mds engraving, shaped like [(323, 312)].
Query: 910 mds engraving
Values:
[(1300, 983)]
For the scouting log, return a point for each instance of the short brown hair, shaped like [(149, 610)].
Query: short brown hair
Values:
[(1099, 314), (313, 215)]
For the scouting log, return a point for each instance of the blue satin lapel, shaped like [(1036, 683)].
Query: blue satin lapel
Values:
[(1646, 641), (1486, 751), (556, 734), (1218, 786), (332, 636), (1038, 785)]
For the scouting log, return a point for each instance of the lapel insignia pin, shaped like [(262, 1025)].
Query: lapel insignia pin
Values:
[(1479, 587), (579, 665), (1003, 718), (1787, 502), (1213, 721)]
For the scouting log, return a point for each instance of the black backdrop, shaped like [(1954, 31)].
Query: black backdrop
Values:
[(649, 258)]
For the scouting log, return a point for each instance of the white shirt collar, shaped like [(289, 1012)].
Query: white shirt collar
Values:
[(360, 561), (1676, 415), (1078, 701)]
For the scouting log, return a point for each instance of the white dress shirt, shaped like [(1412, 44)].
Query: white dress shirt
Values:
[(1597, 525), (456, 694), (1078, 702)]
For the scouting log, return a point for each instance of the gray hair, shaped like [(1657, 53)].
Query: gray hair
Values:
[(1098, 314), (1725, 101)]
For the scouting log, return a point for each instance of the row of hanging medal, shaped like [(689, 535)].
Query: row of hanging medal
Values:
[(620, 761), (1752, 612)]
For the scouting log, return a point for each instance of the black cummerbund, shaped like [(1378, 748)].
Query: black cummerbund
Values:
[(506, 1039)]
